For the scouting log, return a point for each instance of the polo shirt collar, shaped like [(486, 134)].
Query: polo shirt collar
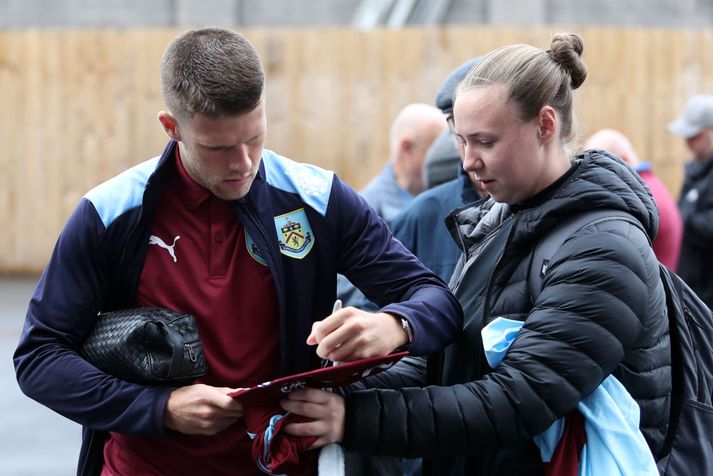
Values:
[(192, 194)]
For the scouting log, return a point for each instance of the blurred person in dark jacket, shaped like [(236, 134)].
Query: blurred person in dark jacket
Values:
[(695, 125)]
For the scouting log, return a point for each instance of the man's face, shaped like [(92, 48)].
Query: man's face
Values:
[(701, 145), (222, 154)]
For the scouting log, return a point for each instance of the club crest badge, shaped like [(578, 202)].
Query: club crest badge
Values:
[(253, 250), (294, 234)]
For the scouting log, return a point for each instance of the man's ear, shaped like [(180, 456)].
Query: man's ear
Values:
[(547, 123), (169, 123), (407, 146)]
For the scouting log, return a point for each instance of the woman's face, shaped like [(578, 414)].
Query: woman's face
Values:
[(508, 157)]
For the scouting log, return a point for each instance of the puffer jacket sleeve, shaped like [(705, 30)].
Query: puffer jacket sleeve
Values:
[(62, 311), (408, 372), (587, 316)]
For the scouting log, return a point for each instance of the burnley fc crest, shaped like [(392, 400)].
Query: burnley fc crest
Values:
[(294, 234)]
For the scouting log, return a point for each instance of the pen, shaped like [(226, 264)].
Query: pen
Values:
[(337, 306), (333, 449)]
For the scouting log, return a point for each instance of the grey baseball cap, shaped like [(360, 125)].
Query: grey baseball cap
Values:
[(697, 115)]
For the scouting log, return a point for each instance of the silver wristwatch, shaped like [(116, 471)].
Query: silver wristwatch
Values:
[(407, 329)]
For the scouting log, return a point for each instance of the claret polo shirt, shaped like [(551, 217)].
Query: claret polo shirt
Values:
[(198, 262)]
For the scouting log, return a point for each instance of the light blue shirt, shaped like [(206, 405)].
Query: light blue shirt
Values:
[(615, 445)]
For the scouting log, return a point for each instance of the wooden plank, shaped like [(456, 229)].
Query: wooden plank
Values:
[(78, 106)]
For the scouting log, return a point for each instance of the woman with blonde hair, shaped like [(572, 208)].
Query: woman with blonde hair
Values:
[(600, 312)]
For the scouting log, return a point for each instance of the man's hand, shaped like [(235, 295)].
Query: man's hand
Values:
[(325, 408), (352, 334), (201, 410)]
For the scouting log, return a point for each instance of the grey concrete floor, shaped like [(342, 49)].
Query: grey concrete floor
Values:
[(34, 440)]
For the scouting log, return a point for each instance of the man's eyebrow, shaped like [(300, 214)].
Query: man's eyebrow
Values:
[(225, 146), (256, 135), (214, 146)]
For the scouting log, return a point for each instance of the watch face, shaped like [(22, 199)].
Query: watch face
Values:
[(407, 328), (270, 393)]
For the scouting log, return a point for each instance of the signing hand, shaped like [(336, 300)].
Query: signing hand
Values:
[(351, 334), (325, 408), (201, 410)]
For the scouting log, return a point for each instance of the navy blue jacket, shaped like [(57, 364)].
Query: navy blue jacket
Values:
[(421, 227), (98, 258)]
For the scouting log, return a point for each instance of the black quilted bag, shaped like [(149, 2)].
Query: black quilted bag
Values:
[(150, 346)]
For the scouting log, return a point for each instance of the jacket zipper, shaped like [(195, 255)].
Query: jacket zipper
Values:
[(274, 271), (462, 245), (191, 353), (488, 289), (83, 466), (467, 254)]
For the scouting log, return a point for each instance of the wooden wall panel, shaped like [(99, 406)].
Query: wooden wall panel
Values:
[(79, 106)]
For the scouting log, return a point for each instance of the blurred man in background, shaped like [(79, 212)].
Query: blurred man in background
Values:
[(695, 125), (421, 226), (412, 132)]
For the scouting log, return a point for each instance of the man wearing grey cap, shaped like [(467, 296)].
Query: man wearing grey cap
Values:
[(695, 124)]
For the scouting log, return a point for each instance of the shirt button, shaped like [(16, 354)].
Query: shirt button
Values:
[(219, 237)]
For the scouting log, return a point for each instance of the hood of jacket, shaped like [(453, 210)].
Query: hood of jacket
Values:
[(600, 181)]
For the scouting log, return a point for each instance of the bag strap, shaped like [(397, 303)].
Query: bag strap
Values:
[(179, 351), (547, 246)]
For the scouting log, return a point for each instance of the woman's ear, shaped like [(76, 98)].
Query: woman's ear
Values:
[(168, 121), (547, 123)]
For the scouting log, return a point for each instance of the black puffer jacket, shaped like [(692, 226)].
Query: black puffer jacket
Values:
[(601, 311)]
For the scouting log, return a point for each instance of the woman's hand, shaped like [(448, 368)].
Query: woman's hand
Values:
[(325, 408)]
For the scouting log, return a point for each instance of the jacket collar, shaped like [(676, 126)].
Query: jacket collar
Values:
[(699, 168)]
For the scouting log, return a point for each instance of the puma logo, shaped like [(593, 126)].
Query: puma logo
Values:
[(155, 240)]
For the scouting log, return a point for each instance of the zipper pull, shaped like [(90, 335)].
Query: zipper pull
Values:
[(191, 354)]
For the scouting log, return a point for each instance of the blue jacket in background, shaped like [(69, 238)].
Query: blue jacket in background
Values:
[(384, 195), (98, 258), (422, 229)]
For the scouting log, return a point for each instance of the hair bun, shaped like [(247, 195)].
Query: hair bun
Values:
[(566, 50)]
